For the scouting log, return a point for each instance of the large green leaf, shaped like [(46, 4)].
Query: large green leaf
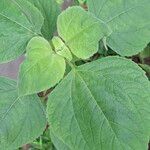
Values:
[(81, 31), (50, 10), (42, 68), (103, 105), (129, 21), (19, 22), (22, 119)]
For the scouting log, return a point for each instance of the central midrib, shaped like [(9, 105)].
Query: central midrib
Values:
[(101, 110)]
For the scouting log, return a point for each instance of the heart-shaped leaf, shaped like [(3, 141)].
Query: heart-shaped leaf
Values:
[(81, 31), (42, 68), (101, 105)]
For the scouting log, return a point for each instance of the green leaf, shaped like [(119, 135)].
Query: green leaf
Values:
[(129, 21), (102, 105), (42, 68), (22, 119), (81, 31), (19, 22), (50, 11), (58, 143), (59, 1), (61, 48)]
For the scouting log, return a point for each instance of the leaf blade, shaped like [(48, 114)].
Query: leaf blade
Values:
[(130, 30), (81, 31), (18, 116), (18, 25), (42, 68), (100, 113), (50, 11)]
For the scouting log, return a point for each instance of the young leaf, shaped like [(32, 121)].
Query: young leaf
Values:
[(81, 31), (19, 22), (129, 21), (22, 119), (42, 68), (61, 48), (102, 105), (50, 11)]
